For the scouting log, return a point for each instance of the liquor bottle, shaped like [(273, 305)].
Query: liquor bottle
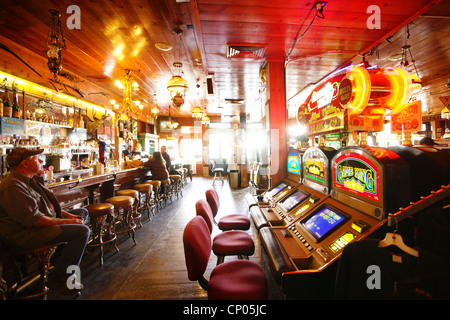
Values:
[(1, 107), (7, 109), (15, 108)]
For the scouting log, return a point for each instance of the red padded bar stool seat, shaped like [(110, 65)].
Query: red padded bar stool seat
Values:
[(248, 274), (228, 222), (228, 243), (232, 280)]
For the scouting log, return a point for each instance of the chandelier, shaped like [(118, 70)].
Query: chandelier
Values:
[(128, 85), (197, 113), (169, 124), (154, 112), (205, 120), (55, 42), (177, 85)]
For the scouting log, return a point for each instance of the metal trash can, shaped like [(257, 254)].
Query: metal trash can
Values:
[(234, 178)]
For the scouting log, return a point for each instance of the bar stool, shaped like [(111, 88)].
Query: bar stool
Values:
[(227, 222), (43, 255), (124, 216), (99, 213), (176, 184), (145, 190), (228, 243), (232, 280), (135, 195), (166, 185), (216, 171), (183, 174), (156, 199)]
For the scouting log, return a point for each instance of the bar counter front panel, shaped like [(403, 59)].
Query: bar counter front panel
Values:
[(97, 188)]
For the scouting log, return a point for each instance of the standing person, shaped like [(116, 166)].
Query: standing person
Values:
[(31, 217), (166, 157)]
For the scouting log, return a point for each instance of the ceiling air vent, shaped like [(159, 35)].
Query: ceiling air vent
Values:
[(252, 51)]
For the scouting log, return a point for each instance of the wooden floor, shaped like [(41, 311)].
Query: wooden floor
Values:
[(154, 268)]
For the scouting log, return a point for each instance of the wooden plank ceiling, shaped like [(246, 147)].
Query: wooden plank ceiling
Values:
[(117, 34)]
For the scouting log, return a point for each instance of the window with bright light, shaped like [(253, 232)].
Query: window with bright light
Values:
[(220, 145)]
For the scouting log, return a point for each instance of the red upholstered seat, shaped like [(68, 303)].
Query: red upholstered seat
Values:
[(228, 222), (233, 242), (233, 280), (248, 275)]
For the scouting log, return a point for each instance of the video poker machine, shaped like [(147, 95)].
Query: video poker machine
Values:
[(266, 200), (296, 200), (366, 185), (294, 176)]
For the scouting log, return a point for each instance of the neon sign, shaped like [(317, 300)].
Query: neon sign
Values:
[(356, 97), (356, 174)]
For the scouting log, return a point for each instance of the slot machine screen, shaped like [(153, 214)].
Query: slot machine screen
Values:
[(294, 163), (275, 190), (324, 222), (358, 175), (294, 199)]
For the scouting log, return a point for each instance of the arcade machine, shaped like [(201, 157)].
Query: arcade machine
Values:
[(433, 164), (367, 184), (293, 178), (298, 200), (266, 200)]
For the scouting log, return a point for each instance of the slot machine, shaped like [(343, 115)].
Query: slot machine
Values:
[(272, 195), (433, 168), (366, 184), (292, 203), (442, 158)]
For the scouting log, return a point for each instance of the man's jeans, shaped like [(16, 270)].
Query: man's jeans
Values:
[(76, 237)]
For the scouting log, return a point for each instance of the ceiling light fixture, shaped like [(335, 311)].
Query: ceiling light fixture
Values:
[(154, 112), (205, 120), (197, 113), (55, 42), (177, 85), (129, 106)]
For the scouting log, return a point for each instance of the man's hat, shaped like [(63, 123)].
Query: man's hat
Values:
[(427, 141), (15, 157)]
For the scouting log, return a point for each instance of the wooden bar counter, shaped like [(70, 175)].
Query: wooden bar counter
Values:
[(96, 188)]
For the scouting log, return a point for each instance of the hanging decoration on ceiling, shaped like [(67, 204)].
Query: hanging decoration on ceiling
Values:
[(407, 49), (129, 106), (55, 42), (177, 85)]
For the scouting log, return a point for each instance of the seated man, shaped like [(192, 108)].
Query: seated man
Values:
[(31, 217)]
